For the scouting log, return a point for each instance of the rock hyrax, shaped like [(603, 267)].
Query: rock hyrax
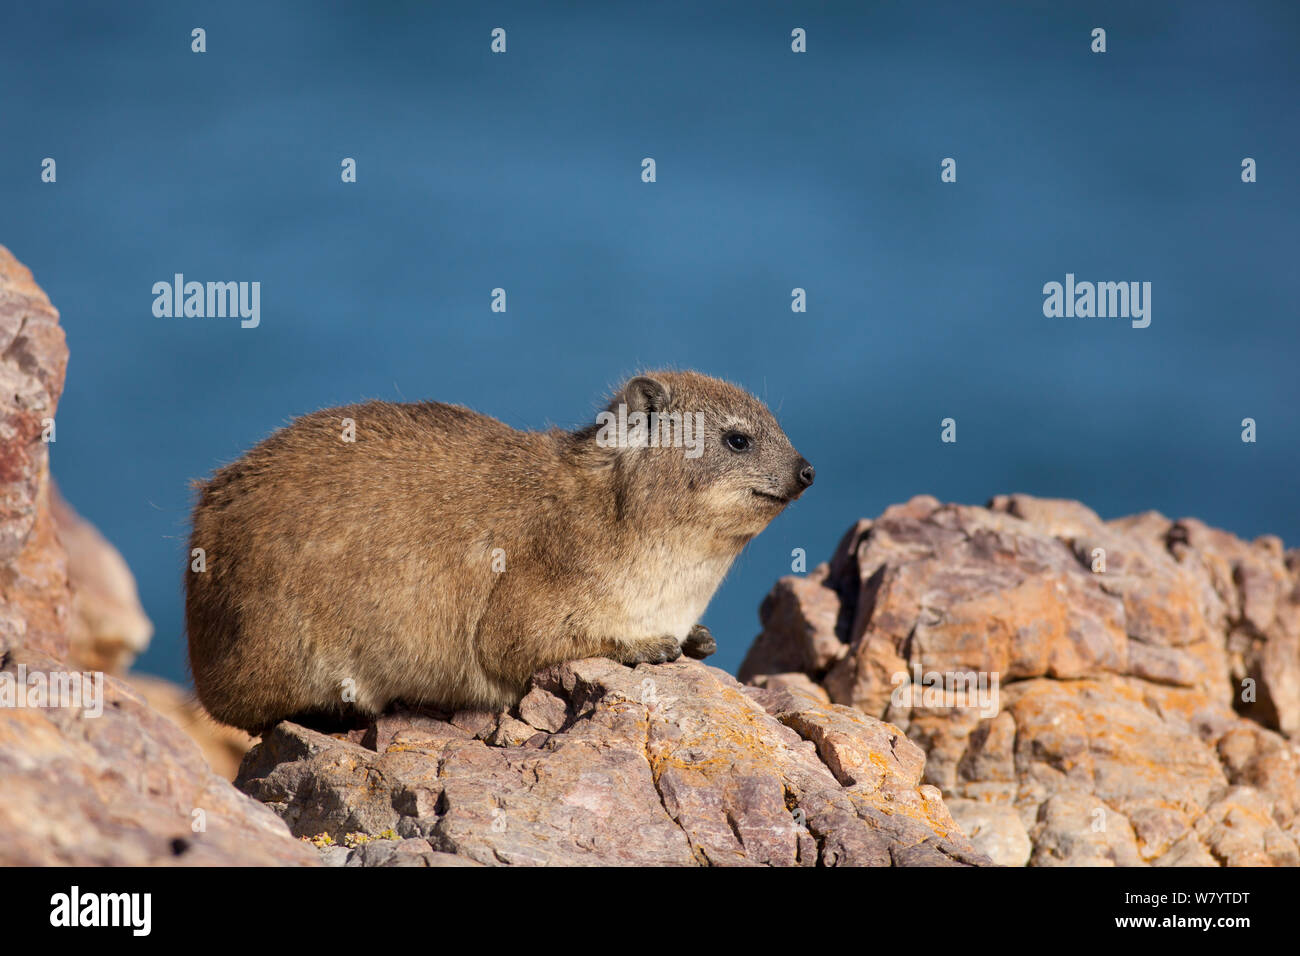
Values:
[(428, 554)]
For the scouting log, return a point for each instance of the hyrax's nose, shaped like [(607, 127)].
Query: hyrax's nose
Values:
[(806, 472)]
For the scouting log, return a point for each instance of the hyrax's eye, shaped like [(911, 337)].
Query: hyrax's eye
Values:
[(736, 441)]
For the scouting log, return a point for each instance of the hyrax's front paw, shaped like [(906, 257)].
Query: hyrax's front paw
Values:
[(656, 650), (699, 644)]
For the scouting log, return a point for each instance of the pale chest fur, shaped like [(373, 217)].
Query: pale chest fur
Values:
[(664, 590)]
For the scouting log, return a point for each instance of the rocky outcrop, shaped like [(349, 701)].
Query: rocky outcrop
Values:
[(35, 607), (109, 628), (126, 788), (1148, 675), (675, 764), (121, 787)]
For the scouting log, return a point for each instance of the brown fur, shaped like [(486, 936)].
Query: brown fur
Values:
[(372, 561)]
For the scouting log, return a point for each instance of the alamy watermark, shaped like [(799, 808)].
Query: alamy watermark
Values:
[(133, 911), (1101, 300), (654, 430), (941, 690), (57, 689), (211, 300)]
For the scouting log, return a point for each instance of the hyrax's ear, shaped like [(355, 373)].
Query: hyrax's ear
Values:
[(645, 394)]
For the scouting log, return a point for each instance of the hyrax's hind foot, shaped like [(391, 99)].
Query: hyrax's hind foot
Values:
[(656, 650), (699, 644)]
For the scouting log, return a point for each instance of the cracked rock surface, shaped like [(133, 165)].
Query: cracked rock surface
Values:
[(671, 764), (1149, 670)]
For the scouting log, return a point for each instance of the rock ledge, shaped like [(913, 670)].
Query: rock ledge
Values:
[(674, 764)]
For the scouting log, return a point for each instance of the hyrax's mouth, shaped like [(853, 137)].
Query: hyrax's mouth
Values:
[(779, 499)]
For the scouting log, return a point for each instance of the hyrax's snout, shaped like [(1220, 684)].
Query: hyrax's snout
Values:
[(803, 477)]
